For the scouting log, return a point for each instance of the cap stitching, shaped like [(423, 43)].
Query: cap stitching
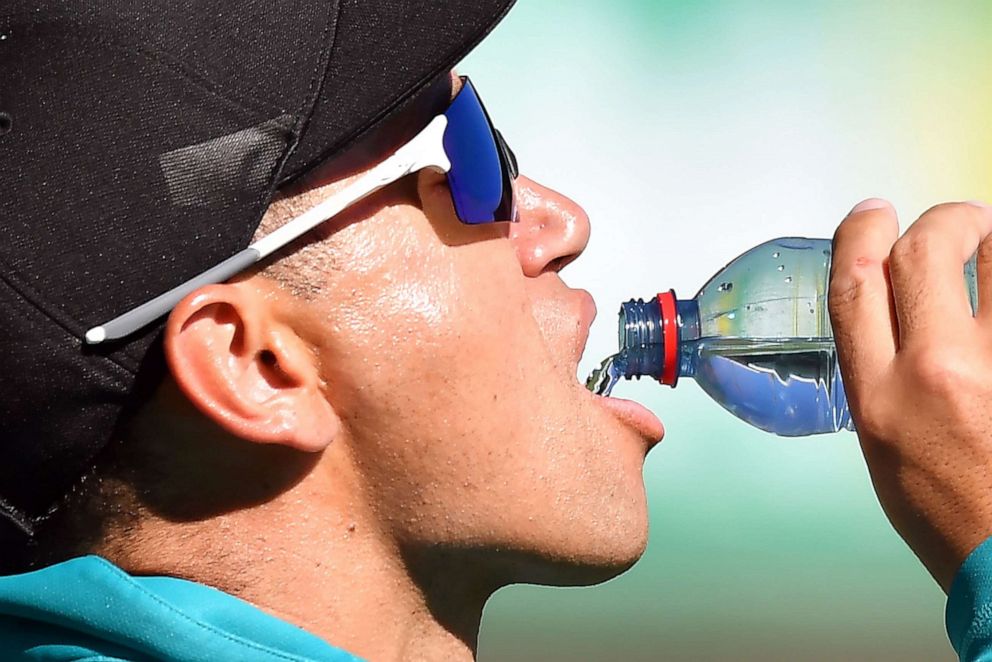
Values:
[(329, 39), (320, 75)]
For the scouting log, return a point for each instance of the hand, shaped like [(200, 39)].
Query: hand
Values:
[(917, 369)]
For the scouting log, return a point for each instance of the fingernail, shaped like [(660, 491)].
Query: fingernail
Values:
[(980, 204), (869, 205)]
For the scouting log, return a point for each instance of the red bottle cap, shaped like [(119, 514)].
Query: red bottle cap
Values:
[(670, 332)]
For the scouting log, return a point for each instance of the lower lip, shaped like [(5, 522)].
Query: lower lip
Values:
[(635, 416)]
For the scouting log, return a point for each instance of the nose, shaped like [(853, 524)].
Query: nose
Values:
[(552, 231)]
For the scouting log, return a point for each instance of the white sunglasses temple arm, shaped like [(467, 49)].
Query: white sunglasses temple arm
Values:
[(426, 149), (137, 318), (407, 159)]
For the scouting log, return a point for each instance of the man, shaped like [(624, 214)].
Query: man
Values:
[(367, 434), (365, 437)]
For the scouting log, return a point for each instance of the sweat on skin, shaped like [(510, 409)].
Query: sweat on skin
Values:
[(371, 437)]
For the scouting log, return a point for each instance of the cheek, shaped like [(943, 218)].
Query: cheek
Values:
[(433, 364), (436, 332), (451, 336), (461, 420)]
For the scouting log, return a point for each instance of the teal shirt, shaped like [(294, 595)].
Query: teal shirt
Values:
[(969, 606), (89, 610)]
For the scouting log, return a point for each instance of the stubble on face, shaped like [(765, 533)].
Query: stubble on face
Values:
[(454, 374)]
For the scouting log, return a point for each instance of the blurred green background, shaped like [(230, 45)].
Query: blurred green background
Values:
[(691, 131)]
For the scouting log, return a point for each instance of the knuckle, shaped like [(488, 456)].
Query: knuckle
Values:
[(845, 290), (913, 248), (873, 412), (848, 288), (871, 421), (938, 372), (861, 246)]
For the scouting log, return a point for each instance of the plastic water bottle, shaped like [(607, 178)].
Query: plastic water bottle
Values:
[(756, 338)]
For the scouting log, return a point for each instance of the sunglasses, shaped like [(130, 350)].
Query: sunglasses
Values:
[(461, 142)]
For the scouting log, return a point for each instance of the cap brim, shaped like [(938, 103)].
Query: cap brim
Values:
[(379, 61)]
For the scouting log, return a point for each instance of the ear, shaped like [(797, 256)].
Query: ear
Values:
[(248, 372)]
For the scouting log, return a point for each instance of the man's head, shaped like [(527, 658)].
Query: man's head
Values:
[(410, 373), (144, 145), (396, 373)]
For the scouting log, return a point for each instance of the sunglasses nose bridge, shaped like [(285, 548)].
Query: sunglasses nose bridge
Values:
[(507, 154)]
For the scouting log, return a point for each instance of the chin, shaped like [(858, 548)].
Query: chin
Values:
[(579, 571), (595, 555), (614, 557)]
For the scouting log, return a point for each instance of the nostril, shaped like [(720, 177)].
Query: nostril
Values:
[(559, 263), (6, 123)]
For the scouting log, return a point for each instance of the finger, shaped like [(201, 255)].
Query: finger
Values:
[(927, 271), (983, 280), (861, 311)]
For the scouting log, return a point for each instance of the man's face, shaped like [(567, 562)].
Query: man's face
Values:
[(450, 352)]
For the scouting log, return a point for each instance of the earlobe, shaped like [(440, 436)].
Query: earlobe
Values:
[(247, 371)]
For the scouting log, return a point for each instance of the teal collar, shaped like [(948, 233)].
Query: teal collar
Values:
[(88, 608)]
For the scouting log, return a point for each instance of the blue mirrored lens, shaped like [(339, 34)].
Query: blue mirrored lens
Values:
[(480, 183)]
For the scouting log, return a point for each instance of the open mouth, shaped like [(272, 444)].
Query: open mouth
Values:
[(601, 381)]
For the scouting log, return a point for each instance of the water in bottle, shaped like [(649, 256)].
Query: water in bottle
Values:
[(756, 338)]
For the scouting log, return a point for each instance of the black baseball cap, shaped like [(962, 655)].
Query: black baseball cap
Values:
[(141, 142)]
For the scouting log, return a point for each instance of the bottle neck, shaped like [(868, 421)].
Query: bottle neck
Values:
[(642, 342), (651, 333)]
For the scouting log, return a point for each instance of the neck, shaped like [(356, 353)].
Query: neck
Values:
[(359, 595), (329, 572), (290, 533)]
